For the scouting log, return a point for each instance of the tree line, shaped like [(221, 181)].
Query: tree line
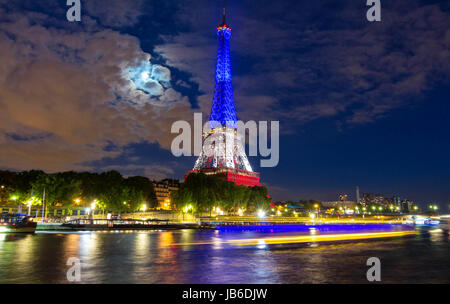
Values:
[(108, 190), (205, 193)]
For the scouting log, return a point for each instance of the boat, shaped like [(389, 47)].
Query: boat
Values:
[(445, 223), (17, 223)]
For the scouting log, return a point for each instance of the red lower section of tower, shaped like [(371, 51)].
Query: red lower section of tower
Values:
[(239, 177)]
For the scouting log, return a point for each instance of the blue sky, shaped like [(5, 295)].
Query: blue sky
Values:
[(359, 103)]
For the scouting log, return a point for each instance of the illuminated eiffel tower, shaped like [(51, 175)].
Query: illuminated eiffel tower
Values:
[(223, 153)]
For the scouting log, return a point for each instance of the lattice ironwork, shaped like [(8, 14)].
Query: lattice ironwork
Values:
[(223, 153), (223, 112)]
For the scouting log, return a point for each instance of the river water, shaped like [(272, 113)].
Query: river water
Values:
[(202, 256)]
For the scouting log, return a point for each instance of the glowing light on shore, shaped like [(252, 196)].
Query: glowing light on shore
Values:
[(261, 213)]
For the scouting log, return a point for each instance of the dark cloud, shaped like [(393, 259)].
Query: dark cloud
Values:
[(74, 87), (72, 95), (116, 13), (302, 69)]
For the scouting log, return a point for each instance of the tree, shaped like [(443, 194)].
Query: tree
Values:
[(204, 192), (60, 189)]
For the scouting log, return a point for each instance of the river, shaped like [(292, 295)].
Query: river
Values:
[(203, 256)]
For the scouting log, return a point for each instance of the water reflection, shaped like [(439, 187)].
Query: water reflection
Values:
[(153, 257)]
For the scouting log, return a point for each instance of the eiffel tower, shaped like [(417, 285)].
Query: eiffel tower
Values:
[(223, 153)]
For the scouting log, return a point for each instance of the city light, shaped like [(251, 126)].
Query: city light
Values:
[(144, 207), (261, 213), (219, 211)]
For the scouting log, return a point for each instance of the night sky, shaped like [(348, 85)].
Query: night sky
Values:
[(359, 103)]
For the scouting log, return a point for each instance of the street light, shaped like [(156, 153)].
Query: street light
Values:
[(29, 207), (316, 206), (93, 205)]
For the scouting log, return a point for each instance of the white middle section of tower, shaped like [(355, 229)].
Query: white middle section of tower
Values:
[(222, 148)]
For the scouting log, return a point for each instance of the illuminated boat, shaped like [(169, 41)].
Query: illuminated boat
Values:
[(17, 223), (445, 223)]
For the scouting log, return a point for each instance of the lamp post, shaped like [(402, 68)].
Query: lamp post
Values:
[(316, 206), (29, 207), (43, 206), (30, 201), (93, 205)]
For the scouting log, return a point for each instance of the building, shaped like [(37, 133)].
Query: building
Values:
[(407, 206), (342, 197), (357, 195), (223, 153), (394, 203), (339, 204), (163, 189), (375, 199)]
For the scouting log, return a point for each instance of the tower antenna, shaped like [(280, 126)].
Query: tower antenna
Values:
[(224, 13)]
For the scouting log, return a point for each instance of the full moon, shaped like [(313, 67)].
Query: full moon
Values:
[(144, 76)]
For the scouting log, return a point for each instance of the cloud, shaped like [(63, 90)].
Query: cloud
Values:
[(154, 172), (301, 68), (116, 13), (67, 91), (65, 96)]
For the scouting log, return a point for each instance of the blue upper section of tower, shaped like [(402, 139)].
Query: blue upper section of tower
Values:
[(223, 112)]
